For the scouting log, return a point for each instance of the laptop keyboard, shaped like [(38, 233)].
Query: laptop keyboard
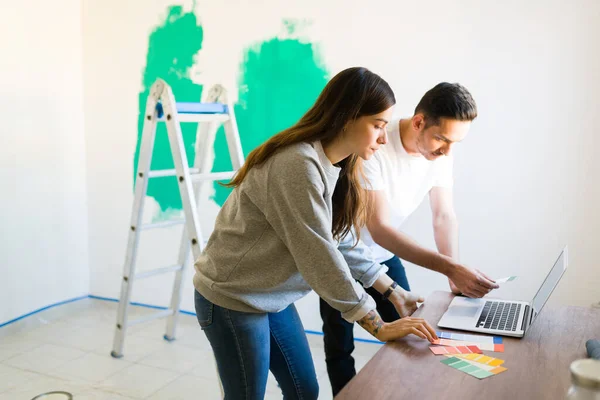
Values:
[(499, 315)]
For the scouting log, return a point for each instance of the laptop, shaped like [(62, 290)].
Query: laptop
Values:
[(503, 317)]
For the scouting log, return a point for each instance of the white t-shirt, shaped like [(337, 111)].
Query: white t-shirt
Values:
[(405, 179)]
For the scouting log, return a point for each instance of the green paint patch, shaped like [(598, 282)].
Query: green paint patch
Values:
[(172, 47), (279, 80)]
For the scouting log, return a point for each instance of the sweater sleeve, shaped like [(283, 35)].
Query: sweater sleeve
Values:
[(297, 211), (360, 260)]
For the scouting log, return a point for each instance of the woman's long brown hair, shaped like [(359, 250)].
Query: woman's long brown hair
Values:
[(351, 94)]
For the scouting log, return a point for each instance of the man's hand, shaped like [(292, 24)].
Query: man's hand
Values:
[(470, 282), (453, 287), (405, 302)]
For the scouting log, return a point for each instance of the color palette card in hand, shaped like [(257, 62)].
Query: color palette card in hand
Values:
[(507, 279), (482, 346), (472, 368)]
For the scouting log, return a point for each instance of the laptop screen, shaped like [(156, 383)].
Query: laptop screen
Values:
[(550, 282)]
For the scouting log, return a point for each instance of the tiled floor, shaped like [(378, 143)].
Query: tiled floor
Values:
[(68, 348)]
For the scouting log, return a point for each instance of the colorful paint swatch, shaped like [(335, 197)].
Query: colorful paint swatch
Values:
[(443, 350), (470, 338), (482, 346), (507, 279), (479, 371), (481, 359)]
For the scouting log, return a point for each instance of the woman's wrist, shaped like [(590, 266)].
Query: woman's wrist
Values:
[(373, 324)]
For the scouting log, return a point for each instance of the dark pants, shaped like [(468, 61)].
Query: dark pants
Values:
[(247, 345), (338, 333)]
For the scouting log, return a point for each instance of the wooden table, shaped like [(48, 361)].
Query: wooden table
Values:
[(538, 364)]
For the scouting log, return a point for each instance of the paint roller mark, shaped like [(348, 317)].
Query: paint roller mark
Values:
[(171, 50), (279, 80)]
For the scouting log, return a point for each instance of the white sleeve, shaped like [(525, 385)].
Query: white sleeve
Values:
[(372, 169), (443, 172)]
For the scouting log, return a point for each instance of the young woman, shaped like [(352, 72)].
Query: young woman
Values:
[(276, 238)]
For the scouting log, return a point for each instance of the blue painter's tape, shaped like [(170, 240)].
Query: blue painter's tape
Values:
[(355, 339), (155, 307), (42, 309)]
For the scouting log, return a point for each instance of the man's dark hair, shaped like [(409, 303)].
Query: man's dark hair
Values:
[(447, 100)]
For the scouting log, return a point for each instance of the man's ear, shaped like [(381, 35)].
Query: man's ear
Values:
[(418, 122)]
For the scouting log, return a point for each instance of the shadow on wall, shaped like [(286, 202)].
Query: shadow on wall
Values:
[(279, 80)]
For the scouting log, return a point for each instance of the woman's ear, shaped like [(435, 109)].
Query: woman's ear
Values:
[(348, 126)]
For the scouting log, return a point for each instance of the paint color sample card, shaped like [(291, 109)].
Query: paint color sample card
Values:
[(443, 350), (483, 346), (470, 338), (481, 359), (479, 371), (507, 279)]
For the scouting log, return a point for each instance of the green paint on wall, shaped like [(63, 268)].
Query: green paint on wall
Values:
[(172, 47), (279, 80)]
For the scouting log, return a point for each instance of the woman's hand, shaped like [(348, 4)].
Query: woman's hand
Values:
[(407, 326), (386, 331)]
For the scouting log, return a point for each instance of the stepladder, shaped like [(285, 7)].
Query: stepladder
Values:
[(214, 110)]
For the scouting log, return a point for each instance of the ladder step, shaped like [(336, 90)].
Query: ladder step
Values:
[(196, 176), (200, 117), (201, 108), (213, 176), (158, 271), (160, 314), (160, 173), (163, 224)]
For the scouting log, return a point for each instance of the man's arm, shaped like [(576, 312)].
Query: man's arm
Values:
[(470, 282), (397, 242), (445, 225), (445, 228)]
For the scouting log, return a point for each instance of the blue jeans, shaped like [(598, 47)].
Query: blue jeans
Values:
[(339, 335), (247, 345)]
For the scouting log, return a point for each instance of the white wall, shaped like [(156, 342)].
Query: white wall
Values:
[(43, 252), (525, 181)]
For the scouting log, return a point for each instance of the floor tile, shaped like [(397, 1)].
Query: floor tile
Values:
[(44, 358), (43, 384), (189, 387), (138, 381), (177, 358), (14, 345), (69, 349), (91, 368), (11, 377)]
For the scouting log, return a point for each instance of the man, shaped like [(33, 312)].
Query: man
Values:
[(414, 163)]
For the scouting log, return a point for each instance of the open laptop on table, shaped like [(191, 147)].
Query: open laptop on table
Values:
[(503, 317)]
